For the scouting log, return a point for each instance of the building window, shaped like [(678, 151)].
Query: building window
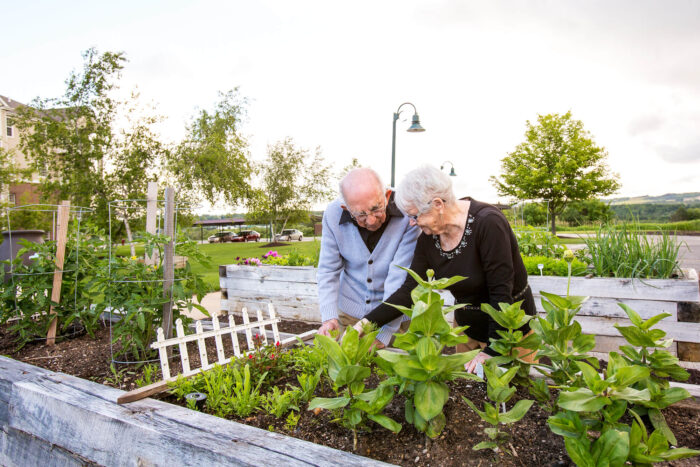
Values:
[(10, 128), (13, 199)]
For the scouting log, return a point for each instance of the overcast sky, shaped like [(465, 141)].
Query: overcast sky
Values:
[(331, 74)]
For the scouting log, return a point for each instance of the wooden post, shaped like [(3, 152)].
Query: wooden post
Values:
[(62, 234), (168, 267), (151, 214)]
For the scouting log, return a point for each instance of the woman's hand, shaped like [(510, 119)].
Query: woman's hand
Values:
[(481, 357)]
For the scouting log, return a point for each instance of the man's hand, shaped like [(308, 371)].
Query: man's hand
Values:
[(378, 345), (328, 326), (481, 357), (360, 326)]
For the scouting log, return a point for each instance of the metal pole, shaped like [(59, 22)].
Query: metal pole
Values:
[(393, 149), (168, 267)]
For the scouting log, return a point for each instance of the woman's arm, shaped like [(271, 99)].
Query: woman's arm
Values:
[(384, 313)]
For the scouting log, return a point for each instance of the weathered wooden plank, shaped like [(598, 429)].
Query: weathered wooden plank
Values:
[(271, 273), (605, 344), (12, 371), (18, 448), (673, 290), (235, 284), (81, 417), (679, 332), (601, 306)]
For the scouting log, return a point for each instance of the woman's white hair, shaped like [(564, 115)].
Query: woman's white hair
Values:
[(420, 186)]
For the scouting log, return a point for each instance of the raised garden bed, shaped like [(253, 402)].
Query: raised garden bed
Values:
[(213, 441)]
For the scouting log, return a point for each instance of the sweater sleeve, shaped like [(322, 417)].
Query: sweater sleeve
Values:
[(402, 296), (497, 263), (330, 266)]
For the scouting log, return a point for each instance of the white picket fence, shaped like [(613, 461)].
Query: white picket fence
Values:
[(218, 333)]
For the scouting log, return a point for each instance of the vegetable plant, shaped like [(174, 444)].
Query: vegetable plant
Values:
[(348, 368), (423, 373)]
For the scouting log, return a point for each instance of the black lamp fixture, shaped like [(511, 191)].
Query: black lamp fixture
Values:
[(452, 170), (414, 128)]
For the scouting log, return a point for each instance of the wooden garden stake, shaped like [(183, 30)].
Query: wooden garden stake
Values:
[(168, 268), (151, 214), (62, 236)]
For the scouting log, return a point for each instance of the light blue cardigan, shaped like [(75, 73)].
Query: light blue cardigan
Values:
[(346, 267)]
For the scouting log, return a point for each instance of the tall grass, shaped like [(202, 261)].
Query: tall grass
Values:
[(626, 251)]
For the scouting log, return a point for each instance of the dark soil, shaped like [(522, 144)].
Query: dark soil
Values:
[(531, 442), (274, 244)]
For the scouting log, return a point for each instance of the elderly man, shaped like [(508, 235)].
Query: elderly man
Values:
[(365, 237)]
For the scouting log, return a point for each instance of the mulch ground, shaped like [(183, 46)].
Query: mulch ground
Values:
[(531, 443)]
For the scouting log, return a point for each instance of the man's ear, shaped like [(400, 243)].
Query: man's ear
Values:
[(388, 192), (344, 207)]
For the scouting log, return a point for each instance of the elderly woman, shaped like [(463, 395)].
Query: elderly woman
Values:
[(460, 237)]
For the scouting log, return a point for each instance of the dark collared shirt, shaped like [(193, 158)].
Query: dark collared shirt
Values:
[(372, 238)]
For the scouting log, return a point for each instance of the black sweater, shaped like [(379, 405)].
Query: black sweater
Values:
[(487, 256)]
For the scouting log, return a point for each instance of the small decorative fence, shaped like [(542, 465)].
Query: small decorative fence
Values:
[(294, 292), (165, 346)]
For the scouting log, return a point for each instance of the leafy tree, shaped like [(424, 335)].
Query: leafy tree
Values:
[(69, 138), (213, 159), (587, 211), (292, 180), (559, 162)]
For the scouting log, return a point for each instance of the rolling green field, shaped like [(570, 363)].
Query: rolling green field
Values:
[(226, 253)]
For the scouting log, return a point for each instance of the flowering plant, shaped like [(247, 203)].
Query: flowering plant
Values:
[(248, 261)]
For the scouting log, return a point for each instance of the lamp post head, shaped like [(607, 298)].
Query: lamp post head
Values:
[(452, 168), (415, 125)]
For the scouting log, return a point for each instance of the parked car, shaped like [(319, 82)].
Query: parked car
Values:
[(249, 235), (288, 235), (222, 237)]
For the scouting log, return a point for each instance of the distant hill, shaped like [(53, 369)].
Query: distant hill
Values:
[(670, 198)]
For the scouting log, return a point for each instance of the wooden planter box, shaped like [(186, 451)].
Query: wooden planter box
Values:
[(49, 418), (293, 291)]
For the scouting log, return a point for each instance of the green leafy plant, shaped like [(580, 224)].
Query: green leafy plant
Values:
[(148, 375), (308, 383), (348, 368), (534, 242), (25, 292), (423, 373), (291, 421), (499, 391), (660, 363), (278, 403)]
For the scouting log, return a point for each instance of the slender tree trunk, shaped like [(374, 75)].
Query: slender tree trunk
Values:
[(128, 235), (554, 219)]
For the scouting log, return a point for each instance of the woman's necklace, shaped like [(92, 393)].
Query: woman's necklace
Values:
[(451, 247)]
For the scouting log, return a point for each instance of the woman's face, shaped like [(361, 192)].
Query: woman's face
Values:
[(430, 221)]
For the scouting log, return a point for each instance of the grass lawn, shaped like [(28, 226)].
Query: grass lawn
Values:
[(226, 253)]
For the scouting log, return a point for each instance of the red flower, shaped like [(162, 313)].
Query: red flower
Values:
[(250, 355), (277, 344)]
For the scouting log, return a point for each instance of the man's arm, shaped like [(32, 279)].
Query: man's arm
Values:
[(330, 266)]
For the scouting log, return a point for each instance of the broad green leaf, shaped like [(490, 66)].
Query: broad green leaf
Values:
[(629, 375), (673, 395), (409, 411), (425, 348), (490, 416), (386, 422), (632, 315), (435, 425), (567, 424), (328, 403), (353, 416), (351, 373), (446, 282), (430, 398), (390, 356), (350, 343), (659, 422), (635, 336), (679, 453), (560, 302), (405, 310), (581, 400), (410, 368), (331, 348), (631, 395), (406, 341), (485, 445), (611, 448), (517, 412), (415, 276), (141, 320), (577, 449), (654, 319)]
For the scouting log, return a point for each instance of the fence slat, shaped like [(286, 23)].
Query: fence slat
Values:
[(217, 338), (201, 345), (163, 354), (261, 328), (184, 357), (234, 336), (275, 331), (248, 334)]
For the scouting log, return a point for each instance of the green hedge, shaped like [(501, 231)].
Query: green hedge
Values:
[(553, 266)]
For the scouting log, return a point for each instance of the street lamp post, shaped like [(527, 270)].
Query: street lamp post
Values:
[(414, 128)]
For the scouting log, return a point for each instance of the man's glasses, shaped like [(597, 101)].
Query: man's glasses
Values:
[(375, 212)]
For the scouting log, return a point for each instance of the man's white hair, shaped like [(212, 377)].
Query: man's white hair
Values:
[(420, 186), (345, 183)]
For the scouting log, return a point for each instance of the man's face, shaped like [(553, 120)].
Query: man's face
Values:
[(369, 209)]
